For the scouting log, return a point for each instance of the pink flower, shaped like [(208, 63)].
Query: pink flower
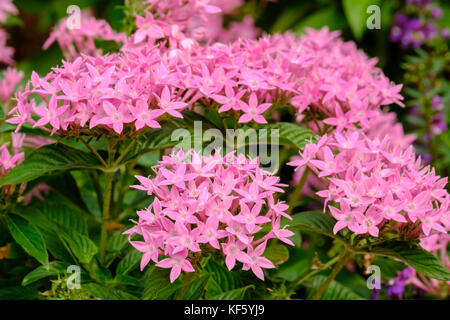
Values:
[(253, 110), (116, 117), (193, 208), (147, 27), (258, 261), (167, 105), (144, 116), (177, 262)]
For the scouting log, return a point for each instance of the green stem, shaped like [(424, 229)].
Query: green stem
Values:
[(93, 151), (309, 275), (108, 194), (344, 258), (298, 189), (125, 152)]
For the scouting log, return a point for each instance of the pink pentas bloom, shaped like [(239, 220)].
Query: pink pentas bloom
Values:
[(147, 27), (257, 261), (209, 201), (253, 110), (377, 185), (167, 105), (76, 40), (177, 263)]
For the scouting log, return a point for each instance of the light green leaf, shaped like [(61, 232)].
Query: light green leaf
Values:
[(356, 13), (29, 237), (329, 17)]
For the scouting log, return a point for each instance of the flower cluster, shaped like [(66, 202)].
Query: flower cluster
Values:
[(418, 25), (218, 201), (6, 53), (75, 40), (180, 22), (317, 73), (376, 181)]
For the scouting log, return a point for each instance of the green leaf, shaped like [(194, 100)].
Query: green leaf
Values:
[(66, 186), (168, 136), (335, 290), (106, 293), (81, 246), (55, 268), (29, 237), (54, 215), (221, 280), (129, 262), (329, 17), (100, 273), (356, 13), (19, 293), (2, 112), (155, 280), (299, 263), (123, 279), (314, 221), (196, 288), (421, 260), (291, 134), (236, 294), (388, 267), (277, 253), (49, 159)]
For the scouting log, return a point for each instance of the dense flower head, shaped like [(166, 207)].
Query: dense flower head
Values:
[(74, 40), (378, 184), (209, 201), (247, 78)]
